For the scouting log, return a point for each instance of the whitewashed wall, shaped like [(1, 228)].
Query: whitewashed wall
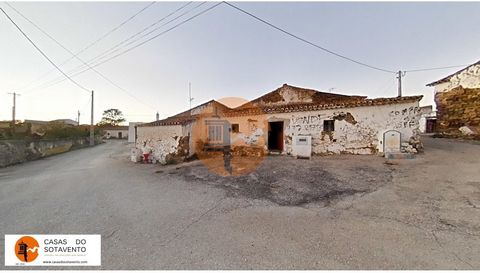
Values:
[(359, 132), (114, 133), (469, 78), (131, 130), (159, 140), (362, 135)]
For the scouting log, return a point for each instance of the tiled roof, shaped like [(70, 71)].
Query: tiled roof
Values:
[(274, 97), (302, 107), (185, 116), (447, 78), (268, 104), (181, 120)]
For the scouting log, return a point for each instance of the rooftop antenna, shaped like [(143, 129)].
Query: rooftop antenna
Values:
[(190, 99)]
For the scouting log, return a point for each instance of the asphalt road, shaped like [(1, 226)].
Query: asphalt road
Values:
[(428, 217)]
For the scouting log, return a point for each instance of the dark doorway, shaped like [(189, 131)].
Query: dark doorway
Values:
[(431, 126), (119, 134), (275, 136)]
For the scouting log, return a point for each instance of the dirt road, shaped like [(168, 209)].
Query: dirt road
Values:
[(423, 214)]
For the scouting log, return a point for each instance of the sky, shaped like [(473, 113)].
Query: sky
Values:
[(225, 53)]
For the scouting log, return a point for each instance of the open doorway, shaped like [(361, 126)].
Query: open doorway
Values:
[(275, 136), (119, 134)]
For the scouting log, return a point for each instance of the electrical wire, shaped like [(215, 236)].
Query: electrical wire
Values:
[(152, 31), (108, 51), (436, 68), (140, 44), (116, 47), (43, 54), (78, 58), (306, 41), (89, 45), (329, 51)]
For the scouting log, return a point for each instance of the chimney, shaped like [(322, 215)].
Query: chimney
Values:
[(158, 116)]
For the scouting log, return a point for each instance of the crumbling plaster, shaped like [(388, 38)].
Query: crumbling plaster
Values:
[(160, 141), (358, 130), (469, 78)]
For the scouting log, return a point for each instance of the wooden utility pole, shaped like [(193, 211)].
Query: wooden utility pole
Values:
[(78, 118), (14, 107), (92, 137)]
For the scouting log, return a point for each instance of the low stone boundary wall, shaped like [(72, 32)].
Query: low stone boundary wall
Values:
[(19, 151)]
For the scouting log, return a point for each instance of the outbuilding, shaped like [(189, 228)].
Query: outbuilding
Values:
[(119, 132)]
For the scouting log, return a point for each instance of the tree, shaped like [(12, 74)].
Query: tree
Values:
[(112, 117)]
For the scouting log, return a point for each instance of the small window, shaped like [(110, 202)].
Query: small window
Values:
[(235, 128), (328, 125)]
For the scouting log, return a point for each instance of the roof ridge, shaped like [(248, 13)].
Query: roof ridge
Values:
[(451, 75)]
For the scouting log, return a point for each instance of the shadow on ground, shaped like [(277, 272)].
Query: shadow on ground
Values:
[(291, 182)]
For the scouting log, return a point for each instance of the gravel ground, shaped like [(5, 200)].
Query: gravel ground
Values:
[(289, 181)]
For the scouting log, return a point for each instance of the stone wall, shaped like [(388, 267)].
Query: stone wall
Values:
[(19, 151), (165, 143), (458, 108)]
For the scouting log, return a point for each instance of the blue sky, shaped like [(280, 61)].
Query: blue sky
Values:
[(225, 53)]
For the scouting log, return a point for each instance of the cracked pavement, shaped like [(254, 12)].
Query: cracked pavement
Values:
[(424, 216)]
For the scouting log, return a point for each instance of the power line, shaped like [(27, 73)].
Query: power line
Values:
[(119, 26), (329, 51), (94, 42), (43, 54), (152, 31), (78, 58), (436, 68), (156, 36), (306, 41), (116, 47), (142, 43)]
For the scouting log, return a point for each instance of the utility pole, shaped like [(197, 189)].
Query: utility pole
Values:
[(190, 99), (399, 77), (92, 139), (13, 110), (78, 118)]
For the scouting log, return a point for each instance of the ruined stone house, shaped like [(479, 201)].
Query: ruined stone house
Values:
[(457, 98), (276, 122)]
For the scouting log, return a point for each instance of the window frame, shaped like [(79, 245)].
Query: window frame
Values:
[(235, 130), (329, 125)]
